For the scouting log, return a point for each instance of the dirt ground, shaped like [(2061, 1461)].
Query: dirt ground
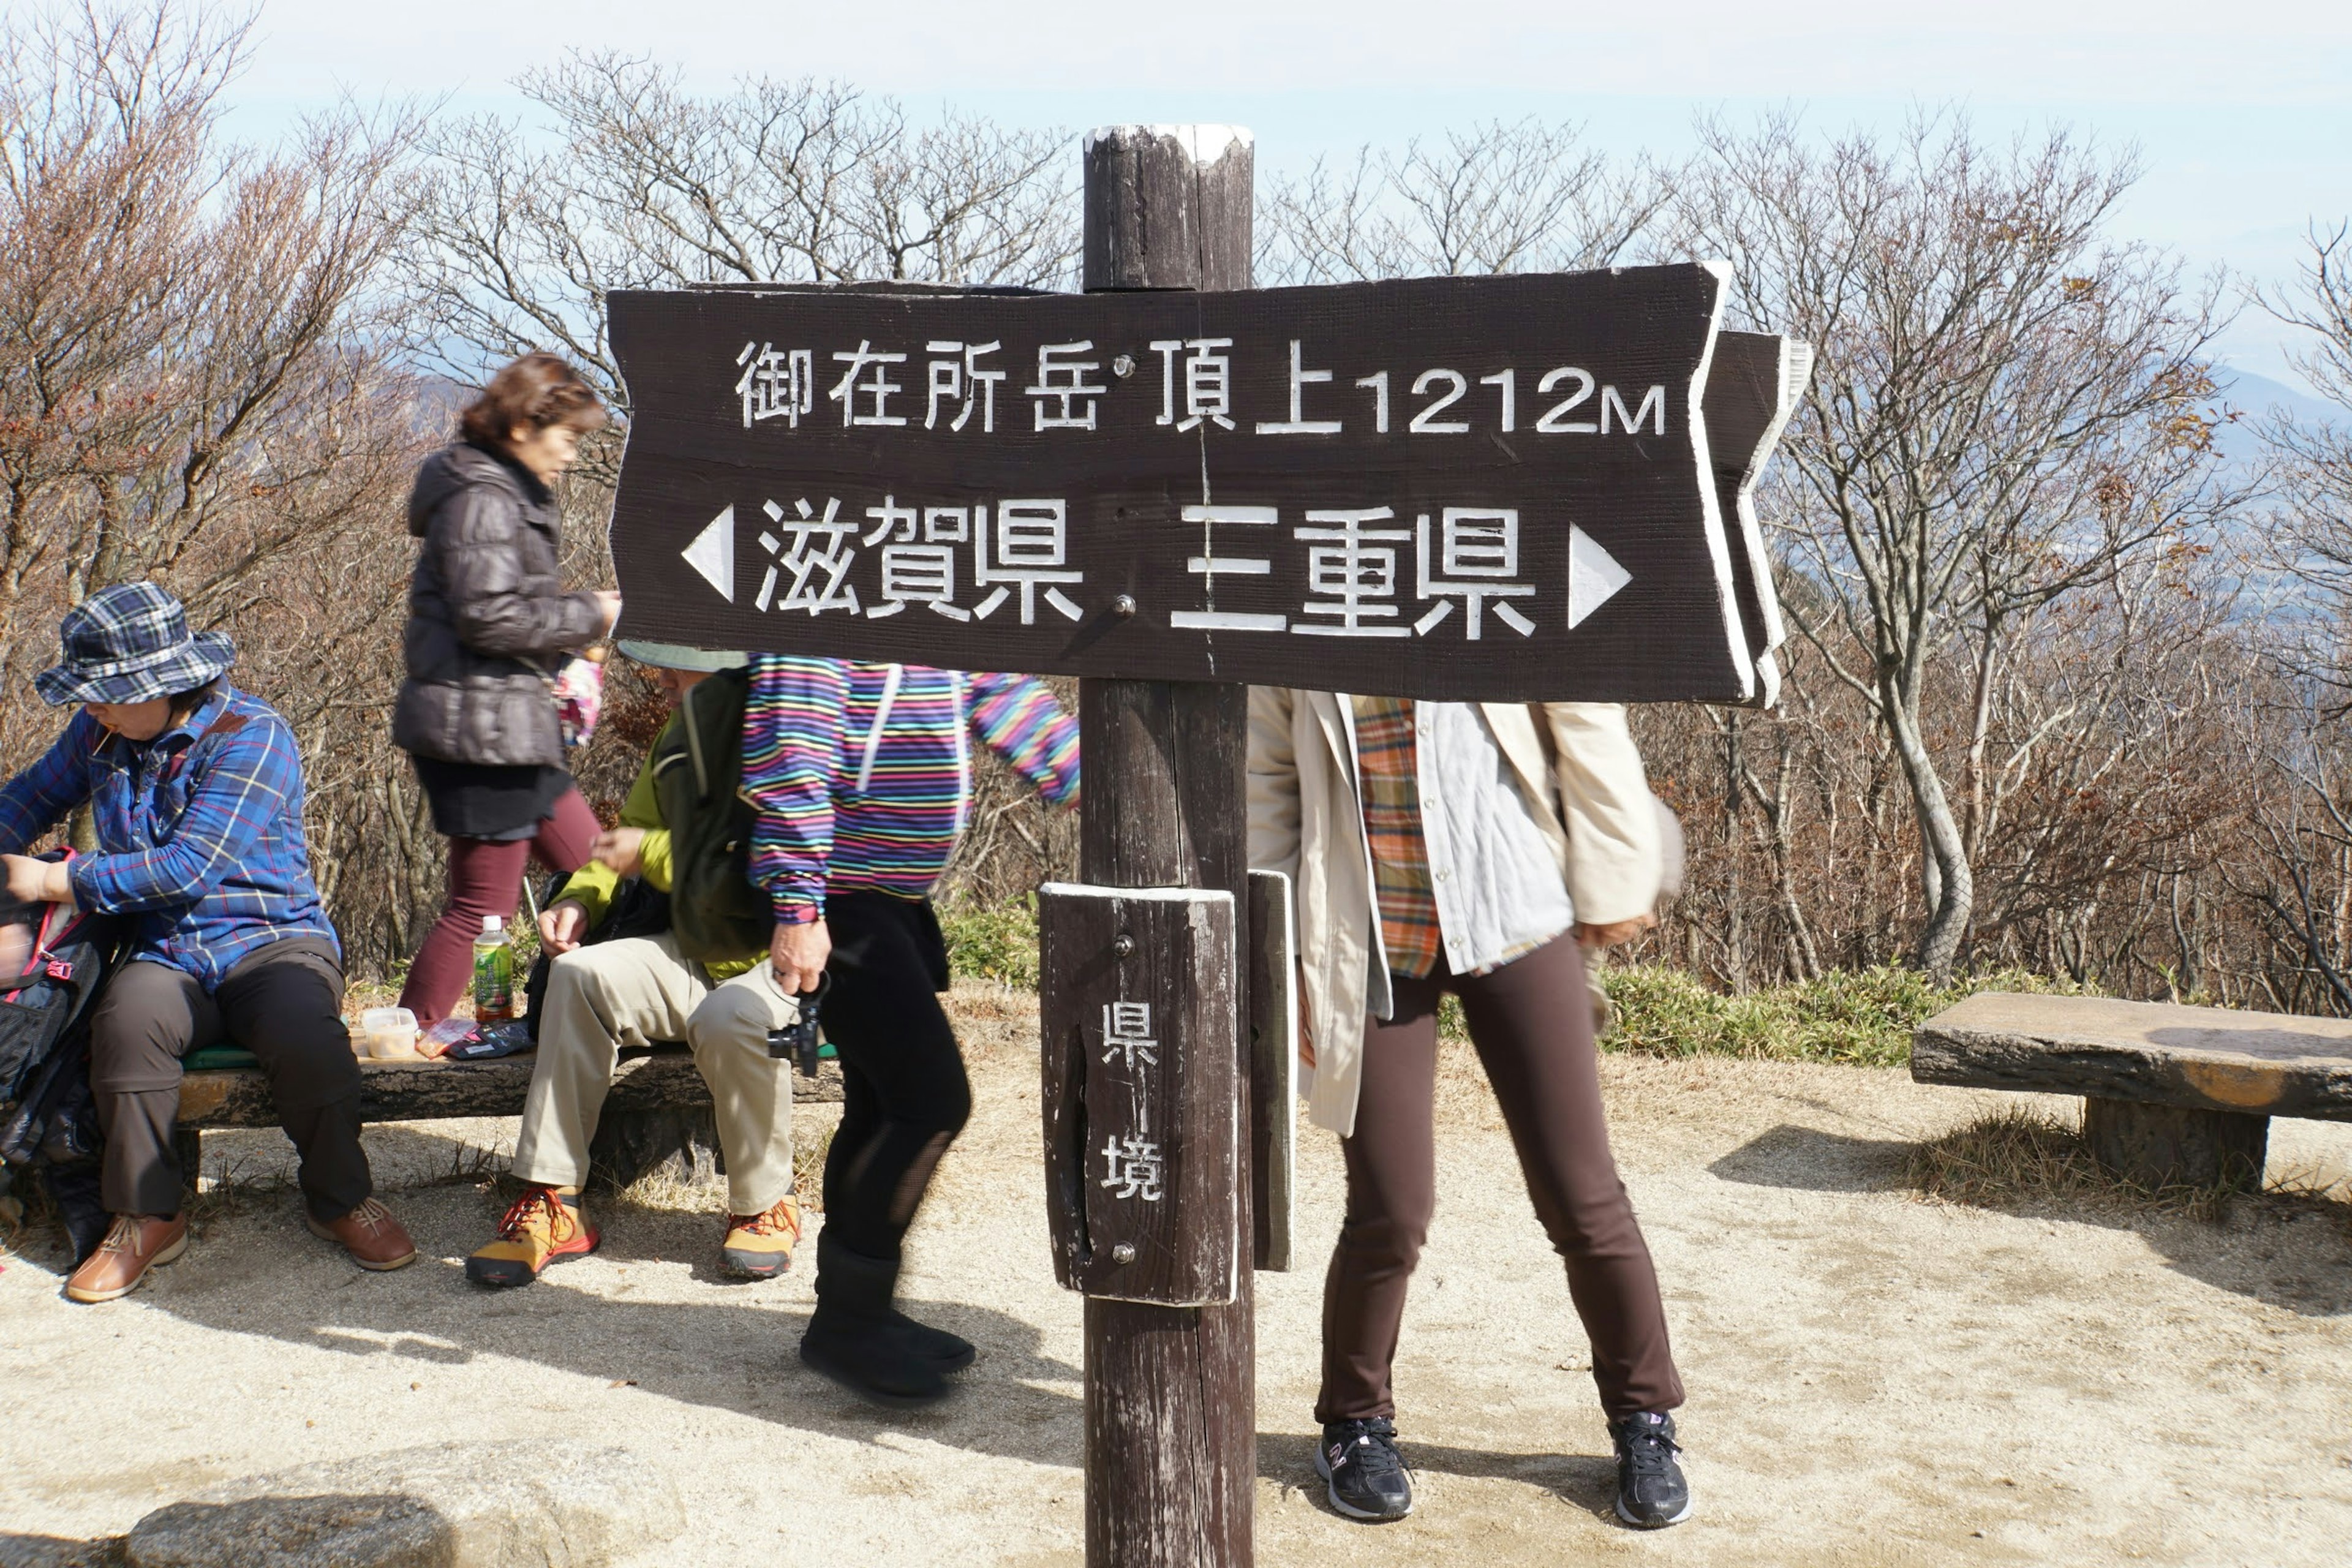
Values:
[(1874, 1379)]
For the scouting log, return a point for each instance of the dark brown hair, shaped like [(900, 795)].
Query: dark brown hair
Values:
[(534, 391)]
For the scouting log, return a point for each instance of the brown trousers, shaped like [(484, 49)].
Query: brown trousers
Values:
[(284, 1003), (1531, 1022)]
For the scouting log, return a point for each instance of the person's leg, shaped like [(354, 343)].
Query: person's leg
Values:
[(750, 1091), (1532, 1024), (860, 1123), (566, 834), (1391, 1163), (907, 1100), (633, 992), (485, 878), (885, 1020), (751, 1101), (285, 1004), (149, 1016)]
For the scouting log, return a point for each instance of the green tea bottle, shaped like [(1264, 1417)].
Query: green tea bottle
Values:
[(493, 973)]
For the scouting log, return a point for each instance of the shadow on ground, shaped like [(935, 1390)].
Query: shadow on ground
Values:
[(738, 1354), (2281, 1250)]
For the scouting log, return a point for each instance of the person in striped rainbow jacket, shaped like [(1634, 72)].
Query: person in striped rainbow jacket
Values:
[(862, 777)]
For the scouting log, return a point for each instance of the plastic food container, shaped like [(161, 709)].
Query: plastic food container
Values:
[(390, 1034)]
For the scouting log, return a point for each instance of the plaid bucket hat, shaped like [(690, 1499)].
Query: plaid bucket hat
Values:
[(131, 643)]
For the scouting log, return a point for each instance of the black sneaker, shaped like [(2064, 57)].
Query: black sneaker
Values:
[(1651, 1491), (1360, 1458)]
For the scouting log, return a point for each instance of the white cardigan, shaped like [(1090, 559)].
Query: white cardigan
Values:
[(1307, 820)]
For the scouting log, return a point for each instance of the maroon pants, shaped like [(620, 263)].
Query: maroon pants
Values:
[(486, 879), (1531, 1022)]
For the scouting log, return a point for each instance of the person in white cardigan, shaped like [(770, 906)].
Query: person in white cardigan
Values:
[(1475, 848)]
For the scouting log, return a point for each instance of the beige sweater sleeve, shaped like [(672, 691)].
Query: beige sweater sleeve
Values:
[(1273, 781), (1614, 850)]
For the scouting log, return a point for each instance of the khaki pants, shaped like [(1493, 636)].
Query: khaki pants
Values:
[(638, 991)]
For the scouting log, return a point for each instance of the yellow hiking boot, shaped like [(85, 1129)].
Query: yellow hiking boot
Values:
[(543, 1225), (759, 1246)]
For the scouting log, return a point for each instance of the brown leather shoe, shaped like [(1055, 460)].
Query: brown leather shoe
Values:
[(134, 1244), (370, 1233)]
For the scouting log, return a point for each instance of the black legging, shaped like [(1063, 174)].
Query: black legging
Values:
[(904, 1093)]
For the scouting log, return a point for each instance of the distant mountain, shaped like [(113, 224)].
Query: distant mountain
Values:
[(2260, 394), (2253, 398)]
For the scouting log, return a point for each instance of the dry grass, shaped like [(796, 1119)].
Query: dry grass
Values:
[(2029, 1159), (663, 1188)]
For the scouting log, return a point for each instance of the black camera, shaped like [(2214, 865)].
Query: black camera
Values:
[(799, 1039)]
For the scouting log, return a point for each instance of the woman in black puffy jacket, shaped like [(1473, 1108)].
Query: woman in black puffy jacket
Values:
[(489, 626)]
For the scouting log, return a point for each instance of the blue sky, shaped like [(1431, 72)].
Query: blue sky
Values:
[(2242, 112)]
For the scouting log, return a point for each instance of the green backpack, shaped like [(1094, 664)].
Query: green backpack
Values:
[(715, 910)]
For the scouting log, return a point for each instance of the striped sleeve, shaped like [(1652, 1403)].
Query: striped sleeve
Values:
[(791, 766), (1017, 717)]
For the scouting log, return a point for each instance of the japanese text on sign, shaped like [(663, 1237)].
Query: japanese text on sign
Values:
[(876, 387), (1365, 571)]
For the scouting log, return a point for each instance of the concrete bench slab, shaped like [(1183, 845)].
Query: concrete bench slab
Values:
[(2171, 1094)]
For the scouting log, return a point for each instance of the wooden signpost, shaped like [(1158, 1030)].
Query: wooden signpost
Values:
[(1494, 489), (1454, 489)]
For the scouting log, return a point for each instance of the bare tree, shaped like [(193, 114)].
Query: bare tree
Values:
[(2006, 409), (636, 182), (1519, 197), (199, 383)]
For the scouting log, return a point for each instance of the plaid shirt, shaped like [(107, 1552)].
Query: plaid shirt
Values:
[(1388, 766), (209, 857)]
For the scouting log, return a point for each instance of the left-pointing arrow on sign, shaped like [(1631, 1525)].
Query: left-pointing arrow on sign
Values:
[(712, 554)]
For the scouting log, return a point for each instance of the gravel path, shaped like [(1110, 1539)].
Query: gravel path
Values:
[(1875, 1380)]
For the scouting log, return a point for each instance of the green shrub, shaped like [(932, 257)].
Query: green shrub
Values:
[(997, 942), (1847, 1016)]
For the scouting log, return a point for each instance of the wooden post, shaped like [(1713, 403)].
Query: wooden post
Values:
[(2169, 1145), (1170, 1391)]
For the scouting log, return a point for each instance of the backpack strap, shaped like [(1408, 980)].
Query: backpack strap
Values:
[(225, 726)]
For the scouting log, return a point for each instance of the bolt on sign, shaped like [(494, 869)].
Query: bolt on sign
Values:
[(1448, 488)]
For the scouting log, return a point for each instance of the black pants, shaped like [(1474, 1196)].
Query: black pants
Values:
[(904, 1093), (284, 1003)]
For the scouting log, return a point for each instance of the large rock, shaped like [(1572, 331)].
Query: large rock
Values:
[(457, 1505)]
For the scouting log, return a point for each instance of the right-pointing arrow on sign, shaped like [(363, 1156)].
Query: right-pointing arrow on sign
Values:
[(1593, 576), (712, 554)]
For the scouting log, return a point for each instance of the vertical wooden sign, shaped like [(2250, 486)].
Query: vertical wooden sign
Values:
[(1142, 1119)]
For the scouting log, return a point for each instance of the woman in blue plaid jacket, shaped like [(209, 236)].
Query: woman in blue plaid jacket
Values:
[(195, 793)]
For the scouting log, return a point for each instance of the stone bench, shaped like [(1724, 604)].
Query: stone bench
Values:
[(658, 1113), (2170, 1094)]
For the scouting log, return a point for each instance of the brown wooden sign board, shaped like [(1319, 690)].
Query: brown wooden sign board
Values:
[(1448, 488), (1143, 1104)]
